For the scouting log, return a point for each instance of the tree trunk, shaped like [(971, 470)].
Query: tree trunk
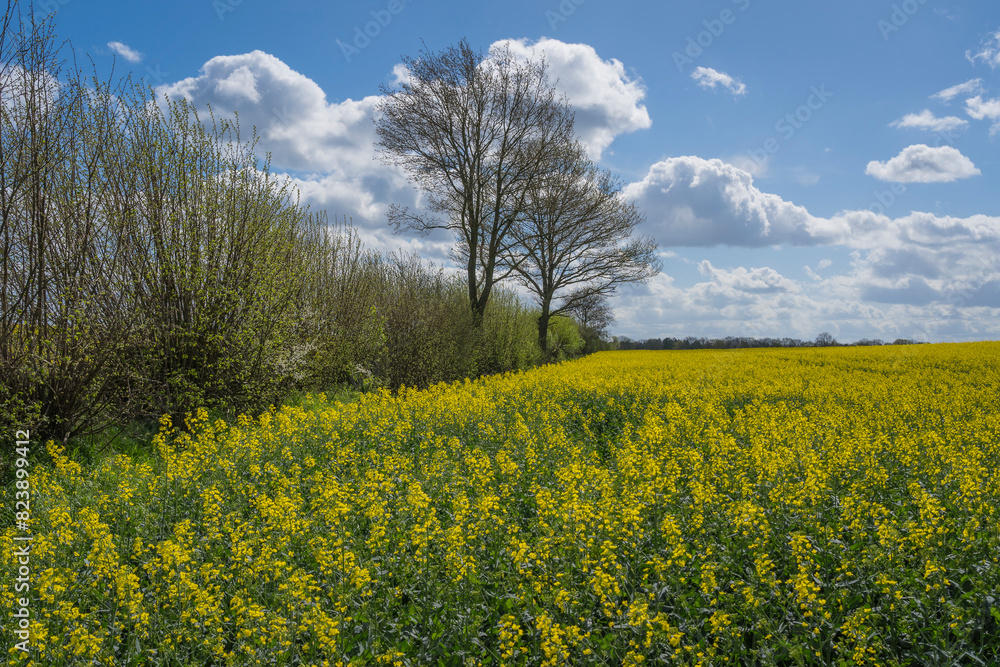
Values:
[(543, 334)]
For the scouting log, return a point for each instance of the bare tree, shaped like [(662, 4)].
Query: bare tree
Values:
[(592, 311), (473, 134), (826, 339), (575, 233)]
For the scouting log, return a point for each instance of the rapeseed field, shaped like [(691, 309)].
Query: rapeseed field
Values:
[(762, 507)]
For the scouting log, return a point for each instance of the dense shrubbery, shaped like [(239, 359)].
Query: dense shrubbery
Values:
[(152, 265), (430, 335)]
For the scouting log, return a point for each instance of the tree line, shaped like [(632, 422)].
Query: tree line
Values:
[(152, 263), (738, 342)]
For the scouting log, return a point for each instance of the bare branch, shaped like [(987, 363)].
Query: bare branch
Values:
[(575, 233), (473, 134)]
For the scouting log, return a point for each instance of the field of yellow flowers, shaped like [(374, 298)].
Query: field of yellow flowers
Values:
[(762, 507)]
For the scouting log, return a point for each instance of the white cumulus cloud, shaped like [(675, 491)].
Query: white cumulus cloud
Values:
[(240, 85), (328, 146), (709, 79), (295, 121), (607, 102), (981, 109), (921, 276), (921, 163), (757, 280), (691, 201), (125, 51), (926, 120)]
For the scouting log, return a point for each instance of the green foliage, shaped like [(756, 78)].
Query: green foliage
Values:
[(61, 291), (431, 335), (429, 325), (565, 341), (225, 262), (508, 339), (152, 265), (593, 341), (339, 334)]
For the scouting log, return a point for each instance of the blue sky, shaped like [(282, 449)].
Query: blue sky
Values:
[(805, 166)]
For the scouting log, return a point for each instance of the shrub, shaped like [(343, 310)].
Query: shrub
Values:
[(219, 260), (339, 333), (565, 341)]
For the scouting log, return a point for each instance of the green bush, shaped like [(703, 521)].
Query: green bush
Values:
[(565, 341), (429, 328), (222, 261), (508, 339), (62, 291), (339, 334)]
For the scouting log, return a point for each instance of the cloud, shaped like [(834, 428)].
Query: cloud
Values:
[(400, 74), (296, 123), (709, 78), (923, 259), (912, 291), (921, 276), (326, 147), (606, 100), (125, 51), (691, 201), (922, 164), (925, 120), (981, 109), (967, 88), (239, 86), (762, 280), (989, 52)]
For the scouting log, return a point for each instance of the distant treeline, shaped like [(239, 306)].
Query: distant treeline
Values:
[(737, 342)]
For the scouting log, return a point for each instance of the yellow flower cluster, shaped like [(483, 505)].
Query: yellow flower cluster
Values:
[(828, 506)]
